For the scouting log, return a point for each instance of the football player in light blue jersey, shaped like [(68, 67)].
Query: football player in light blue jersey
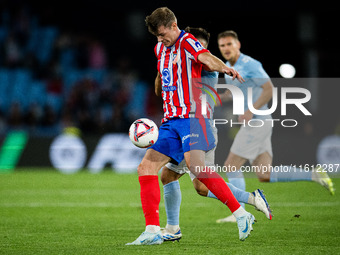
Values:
[(254, 143), (171, 172), (255, 78)]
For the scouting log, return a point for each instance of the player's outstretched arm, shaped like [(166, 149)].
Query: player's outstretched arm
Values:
[(213, 63), (158, 85)]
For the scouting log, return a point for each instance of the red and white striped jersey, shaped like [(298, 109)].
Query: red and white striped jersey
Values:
[(178, 66)]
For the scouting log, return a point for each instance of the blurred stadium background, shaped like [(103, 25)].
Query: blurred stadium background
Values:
[(86, 69), (75, 74)]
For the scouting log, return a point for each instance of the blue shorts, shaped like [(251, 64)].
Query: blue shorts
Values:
[(177, 136)]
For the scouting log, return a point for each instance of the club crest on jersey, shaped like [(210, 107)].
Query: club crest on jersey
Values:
[(176, 59)]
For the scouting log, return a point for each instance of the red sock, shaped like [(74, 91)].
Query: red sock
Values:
[(150, 197), (219, 188)]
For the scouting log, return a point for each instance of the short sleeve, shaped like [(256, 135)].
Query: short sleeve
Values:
[(257, 73), (194, 47)]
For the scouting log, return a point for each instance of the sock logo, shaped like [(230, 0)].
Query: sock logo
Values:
[(246, 229)]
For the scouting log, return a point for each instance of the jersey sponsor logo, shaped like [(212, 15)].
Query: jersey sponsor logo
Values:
[(166, 77), (169, 88), (166, 81)]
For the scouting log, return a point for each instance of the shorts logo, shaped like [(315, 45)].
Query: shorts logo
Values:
[(187, 136)]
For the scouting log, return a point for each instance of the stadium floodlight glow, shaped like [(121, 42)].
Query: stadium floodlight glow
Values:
[(287, 70)]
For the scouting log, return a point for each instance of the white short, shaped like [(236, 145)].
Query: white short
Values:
[(253, 141), (182, 168)]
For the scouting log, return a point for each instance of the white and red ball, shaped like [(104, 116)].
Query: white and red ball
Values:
[(143, 132)]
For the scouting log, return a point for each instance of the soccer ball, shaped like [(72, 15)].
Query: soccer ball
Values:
[(143, 133)]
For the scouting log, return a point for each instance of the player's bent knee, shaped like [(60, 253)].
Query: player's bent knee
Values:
[(168, 176), (263, 176), (146, 169), (165, 179), (264, 179), (202, 193), (200, 188)]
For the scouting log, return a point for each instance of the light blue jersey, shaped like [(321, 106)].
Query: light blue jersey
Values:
[(255, 76), (211, 79)]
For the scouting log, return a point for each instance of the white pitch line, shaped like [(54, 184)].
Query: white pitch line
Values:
[(77, 192), (117, 205), (69, 205), (305, 204)]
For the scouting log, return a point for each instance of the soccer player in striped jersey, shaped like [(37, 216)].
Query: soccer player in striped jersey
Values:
[(180, 60), (172, 172)]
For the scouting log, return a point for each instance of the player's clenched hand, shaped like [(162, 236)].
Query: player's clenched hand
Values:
[(247, 116), (232, 72)]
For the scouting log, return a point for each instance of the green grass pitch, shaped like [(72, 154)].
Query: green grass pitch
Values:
[(44, 212)]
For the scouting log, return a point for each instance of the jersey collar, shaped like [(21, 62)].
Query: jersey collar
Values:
[(239, 58), (179, 37), (237, 61)]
